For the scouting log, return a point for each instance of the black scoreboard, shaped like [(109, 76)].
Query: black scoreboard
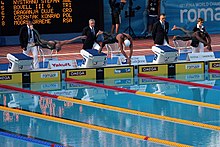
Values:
[(49, 16)]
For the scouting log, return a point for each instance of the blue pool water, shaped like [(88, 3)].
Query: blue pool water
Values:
[(59, 133)]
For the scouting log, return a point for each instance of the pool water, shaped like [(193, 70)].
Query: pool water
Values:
[(77, 136)]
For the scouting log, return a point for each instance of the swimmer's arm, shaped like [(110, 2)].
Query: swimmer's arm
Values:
[(131, 46), (121, 48), (71, 40)]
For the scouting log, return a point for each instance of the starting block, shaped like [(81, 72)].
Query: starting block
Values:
[(164, 54), (19, 62), (91, 58)]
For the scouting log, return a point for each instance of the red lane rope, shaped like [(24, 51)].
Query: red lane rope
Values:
[(99, 85), (214, 71), (28, 91), (174, 81)]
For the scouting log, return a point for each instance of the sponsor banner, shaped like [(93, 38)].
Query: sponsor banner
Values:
[(191, 77), (214, 65), (187, 12), (81, 74), (149, 81), (190, 68), (206, 56), (153, 69), (135, 60), (119, 82), (45, 76), (66, 93), (46, 86), (10, 78), (214, 76), (76, 85), (62, 64), (119, 72)]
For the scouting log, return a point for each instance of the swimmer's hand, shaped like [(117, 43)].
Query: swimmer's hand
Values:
[(83, 37), (209, 47), (129, 61)]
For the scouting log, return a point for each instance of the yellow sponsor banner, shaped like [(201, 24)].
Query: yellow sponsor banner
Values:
[(81, 74), (10, 78), (190, 68), (45, 76), (154, 69), (119, 72), (214, 65)]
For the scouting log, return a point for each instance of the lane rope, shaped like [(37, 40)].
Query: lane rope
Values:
[(117, 109), (28, 138), (146, 94), (93, 127)]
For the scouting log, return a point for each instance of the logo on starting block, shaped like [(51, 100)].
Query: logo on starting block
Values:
[(63, 64), (204, 56), (135, 60)]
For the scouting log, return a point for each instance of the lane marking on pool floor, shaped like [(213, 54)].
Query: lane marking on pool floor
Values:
[(93, 127), (117, 109), (146, 94)]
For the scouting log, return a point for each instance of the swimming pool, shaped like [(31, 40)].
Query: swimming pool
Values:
[(31, 130)]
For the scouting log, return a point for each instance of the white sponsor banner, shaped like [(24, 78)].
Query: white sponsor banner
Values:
[(206, 56), (62, 64), (135, 60)]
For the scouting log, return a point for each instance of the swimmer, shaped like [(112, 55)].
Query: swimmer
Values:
[(56, 44), (123, 40)]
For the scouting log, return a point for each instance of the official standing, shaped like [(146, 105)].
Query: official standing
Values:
[(91, 33), (160, 31), (197, 45), (27, 39)]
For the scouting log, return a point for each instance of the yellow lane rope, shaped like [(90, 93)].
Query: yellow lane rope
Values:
[(144, 114), (93, 127), (179, 100)]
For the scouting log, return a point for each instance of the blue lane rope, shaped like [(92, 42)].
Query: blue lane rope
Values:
[(33, 140)]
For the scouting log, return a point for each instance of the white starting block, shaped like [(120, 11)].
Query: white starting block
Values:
[(164, 54), (92, 58), (19, 62)]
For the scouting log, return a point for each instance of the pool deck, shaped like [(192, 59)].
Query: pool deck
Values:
[(72, 51)]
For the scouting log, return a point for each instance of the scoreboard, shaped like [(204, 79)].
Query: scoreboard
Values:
[(49, 16)]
